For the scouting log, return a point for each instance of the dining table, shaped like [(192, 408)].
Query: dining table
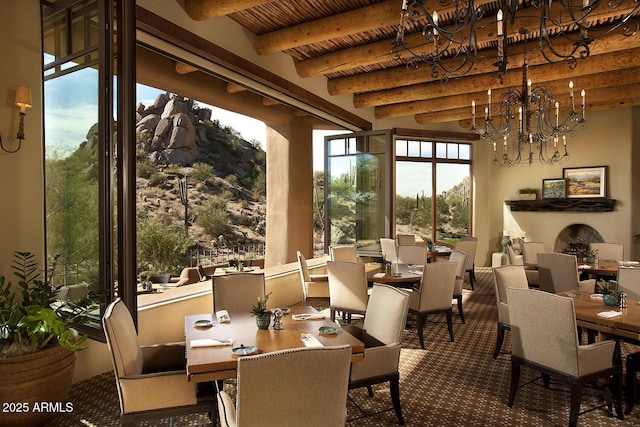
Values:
[(599, 268), (213, 347), (406, 277), (592, 314)]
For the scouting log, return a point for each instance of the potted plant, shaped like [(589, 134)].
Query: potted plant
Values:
[(262, 315), (528, 194), (592, 257), (37, 340), (607, 289)]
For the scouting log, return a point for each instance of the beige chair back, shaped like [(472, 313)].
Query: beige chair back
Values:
[(608, 251), (343, 253), (543, 329), (298, 387), (347, 286), (386, 315), (122, 340), (558, 272), (406, 239), (436, 286), (237, 292), (305, 277), (629, 281), (469, 248), (389, 250), (412, 254), (507, 276), (530, 251), (460, 259)]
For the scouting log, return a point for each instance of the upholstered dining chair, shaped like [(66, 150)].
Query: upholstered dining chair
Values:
[(389, 249), (237, 291), (533, 276), (412, 254), (406, 239), (468, 246), (629, 281), (298, 387), (608, 251), (530, 251), (460, 259), (343, 253), (559, 273), (506, 276), (151, 380), (347, 288), (434, 296), (544, 338), (313, 285), (381, 333)]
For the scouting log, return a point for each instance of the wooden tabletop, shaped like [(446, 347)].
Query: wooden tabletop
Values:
[(387, 278), (626, 325), (216, 363), (604, 267)]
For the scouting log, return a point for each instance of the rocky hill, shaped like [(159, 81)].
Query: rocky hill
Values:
[(176, 140)]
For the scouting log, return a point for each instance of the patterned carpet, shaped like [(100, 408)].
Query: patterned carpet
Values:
[(446, 384)]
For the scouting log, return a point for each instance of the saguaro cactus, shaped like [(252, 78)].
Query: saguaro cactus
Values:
[(184, 199)]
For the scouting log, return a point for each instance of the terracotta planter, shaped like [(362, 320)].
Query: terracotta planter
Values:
[(36, 386)]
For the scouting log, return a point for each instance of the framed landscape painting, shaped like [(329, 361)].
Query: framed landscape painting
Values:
[(586, 182), (554, 188)]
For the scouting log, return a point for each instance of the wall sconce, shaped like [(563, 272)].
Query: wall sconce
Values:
[(23, 101)]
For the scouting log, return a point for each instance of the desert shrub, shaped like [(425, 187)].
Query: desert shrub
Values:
[(156, 179), (245, 220), (232, 179), (259, 187), (201, 171), (213, 219), (145, 168), (244, 204), (161, 248), (226, 195), (217, 202)]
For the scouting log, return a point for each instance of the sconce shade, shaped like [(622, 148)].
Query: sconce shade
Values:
[(23, 97)]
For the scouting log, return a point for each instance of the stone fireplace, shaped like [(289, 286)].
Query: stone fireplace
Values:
[(574, 239)]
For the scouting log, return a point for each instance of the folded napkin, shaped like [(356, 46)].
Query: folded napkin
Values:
[(584, 267), (379, 275), (310, 341), (609, 314), (307, 316), (209, 342), (596, 296)]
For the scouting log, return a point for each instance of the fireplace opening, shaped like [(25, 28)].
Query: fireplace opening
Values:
[(575, 239)]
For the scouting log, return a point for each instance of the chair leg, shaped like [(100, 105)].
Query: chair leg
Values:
[(460, 312), (394, 387), (333, 314), (419, 321), (449, 314), (617, 381), (472, 277), (499, 341), (576, 397), (631, 382), (370, 390), (515, 380)]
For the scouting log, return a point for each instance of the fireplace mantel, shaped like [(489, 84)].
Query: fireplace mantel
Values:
[(558, 205)]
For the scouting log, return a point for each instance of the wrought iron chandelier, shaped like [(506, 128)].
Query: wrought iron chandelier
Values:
[(539, 123), (565, 31)]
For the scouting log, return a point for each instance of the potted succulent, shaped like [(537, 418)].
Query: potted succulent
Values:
[(528, 194), (607, 289), (262, 315), (592, 257), (37, 340)]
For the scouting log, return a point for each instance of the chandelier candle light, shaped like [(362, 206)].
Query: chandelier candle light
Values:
[(539, 124)]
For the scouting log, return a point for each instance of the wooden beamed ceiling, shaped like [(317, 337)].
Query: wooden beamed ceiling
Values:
[(349, 42)]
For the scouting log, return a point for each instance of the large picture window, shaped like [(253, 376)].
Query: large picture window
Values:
[(433, 189)]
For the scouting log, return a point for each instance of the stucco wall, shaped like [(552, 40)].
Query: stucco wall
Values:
[(21, 196)]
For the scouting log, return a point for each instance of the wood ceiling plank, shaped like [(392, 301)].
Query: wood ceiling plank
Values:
[(199, 10), (402, 76), (539, 73), (588, 82), (597, 100)]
